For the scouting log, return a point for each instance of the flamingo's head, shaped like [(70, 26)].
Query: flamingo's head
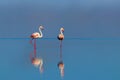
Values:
[(41, 27), (62, 29)]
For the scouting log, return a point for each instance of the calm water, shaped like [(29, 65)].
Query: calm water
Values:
[(84, 59)]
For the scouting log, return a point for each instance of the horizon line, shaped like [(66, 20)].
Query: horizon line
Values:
[(68, 38)]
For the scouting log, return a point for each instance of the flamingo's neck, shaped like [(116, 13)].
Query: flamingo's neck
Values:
[(61, 32), (41, 35)]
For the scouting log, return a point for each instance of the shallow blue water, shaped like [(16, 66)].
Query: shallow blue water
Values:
[(84, 59)]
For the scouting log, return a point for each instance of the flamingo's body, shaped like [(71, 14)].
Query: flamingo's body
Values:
[(35, 35), (61, 35)]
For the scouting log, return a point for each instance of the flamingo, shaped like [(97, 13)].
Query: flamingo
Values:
[(37, 34), (61, 37), (61, 68)]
